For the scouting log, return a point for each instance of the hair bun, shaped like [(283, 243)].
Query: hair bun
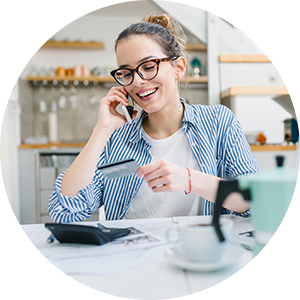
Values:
[(161, 28), (163, 20)]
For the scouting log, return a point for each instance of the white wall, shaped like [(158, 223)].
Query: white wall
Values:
[(227, 12), (16, 57), (272, 26), (5, 180), (261, 114), (15, 61), (98, 28)]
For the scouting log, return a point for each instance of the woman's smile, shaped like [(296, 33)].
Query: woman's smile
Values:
[(147, 94)]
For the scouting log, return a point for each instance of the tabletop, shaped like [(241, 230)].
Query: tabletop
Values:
[(158, 279)]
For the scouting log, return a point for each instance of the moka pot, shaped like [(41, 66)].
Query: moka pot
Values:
[(274, 197)]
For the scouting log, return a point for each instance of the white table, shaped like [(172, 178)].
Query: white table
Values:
[(158, 279)]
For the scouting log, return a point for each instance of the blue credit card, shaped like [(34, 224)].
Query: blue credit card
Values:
[(119, 168)]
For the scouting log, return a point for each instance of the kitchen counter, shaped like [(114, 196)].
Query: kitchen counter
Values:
[(254, 148), (272, 147), (52, 145)]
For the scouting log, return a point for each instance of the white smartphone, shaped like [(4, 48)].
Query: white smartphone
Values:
[(126, 113)]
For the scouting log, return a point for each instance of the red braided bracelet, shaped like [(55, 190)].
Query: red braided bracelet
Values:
[(190, 183)]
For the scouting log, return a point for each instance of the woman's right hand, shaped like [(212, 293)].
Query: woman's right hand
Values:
[(81, 172), (108, 117)]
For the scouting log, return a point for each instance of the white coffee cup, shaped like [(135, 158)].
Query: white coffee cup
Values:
[(198, 238)]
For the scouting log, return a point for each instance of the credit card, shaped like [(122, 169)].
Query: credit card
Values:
[(119, 168)]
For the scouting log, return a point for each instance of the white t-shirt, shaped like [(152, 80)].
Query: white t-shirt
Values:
[(146, 203)]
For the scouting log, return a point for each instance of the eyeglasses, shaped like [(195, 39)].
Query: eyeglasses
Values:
[(147, 70)]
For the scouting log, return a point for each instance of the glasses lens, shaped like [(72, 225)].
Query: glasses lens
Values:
[(148, 70), (123, 76)]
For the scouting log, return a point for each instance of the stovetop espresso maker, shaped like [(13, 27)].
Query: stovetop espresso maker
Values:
[(274, 197)]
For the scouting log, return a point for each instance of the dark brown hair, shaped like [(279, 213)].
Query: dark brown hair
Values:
[(161, 29)]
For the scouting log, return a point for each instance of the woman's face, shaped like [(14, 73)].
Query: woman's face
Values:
[(151, 95)]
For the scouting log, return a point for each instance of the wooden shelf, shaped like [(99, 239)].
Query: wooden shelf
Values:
[(190, 79), (65, 44), (99, 45), (257, 148), (254, 90), (240, 58), (70, 78), (196, 47)]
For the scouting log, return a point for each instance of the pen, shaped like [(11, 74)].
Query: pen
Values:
[(16, 239), (51, 239)]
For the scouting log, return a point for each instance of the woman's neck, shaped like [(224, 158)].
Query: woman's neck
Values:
[(164, 123)]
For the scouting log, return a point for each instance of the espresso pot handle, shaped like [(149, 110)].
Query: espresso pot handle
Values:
[(226, 187)]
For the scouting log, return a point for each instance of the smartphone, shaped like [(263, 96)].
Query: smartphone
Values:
[(128, 110)]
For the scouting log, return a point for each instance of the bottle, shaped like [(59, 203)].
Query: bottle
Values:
[(197, 67), (52, 124)]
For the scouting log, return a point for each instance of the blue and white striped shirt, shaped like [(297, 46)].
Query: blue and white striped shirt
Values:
[(215, 138)]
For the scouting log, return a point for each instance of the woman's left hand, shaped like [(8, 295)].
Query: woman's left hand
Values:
[(164, 176)]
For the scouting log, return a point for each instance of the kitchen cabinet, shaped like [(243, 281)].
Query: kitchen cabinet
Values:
[(38, 171), (267, 159), (266, 155)]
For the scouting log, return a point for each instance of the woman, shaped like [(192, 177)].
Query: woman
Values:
[(183, 150)]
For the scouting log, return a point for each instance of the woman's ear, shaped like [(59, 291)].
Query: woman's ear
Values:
[(180, 67)]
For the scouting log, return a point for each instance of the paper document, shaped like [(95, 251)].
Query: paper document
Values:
[(146, 240)]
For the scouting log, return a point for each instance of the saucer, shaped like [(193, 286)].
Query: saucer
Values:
[(176, 256)]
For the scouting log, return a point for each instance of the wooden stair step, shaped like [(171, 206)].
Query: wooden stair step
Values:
[(254, 90), (243, 58)]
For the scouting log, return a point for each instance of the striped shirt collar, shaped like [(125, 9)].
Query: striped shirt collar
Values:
[(137, 131)]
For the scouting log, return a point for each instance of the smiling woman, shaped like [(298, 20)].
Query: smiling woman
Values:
[(183, 151)]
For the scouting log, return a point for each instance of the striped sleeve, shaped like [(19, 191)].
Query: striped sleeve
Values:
[(63, 209), (234, 157)]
